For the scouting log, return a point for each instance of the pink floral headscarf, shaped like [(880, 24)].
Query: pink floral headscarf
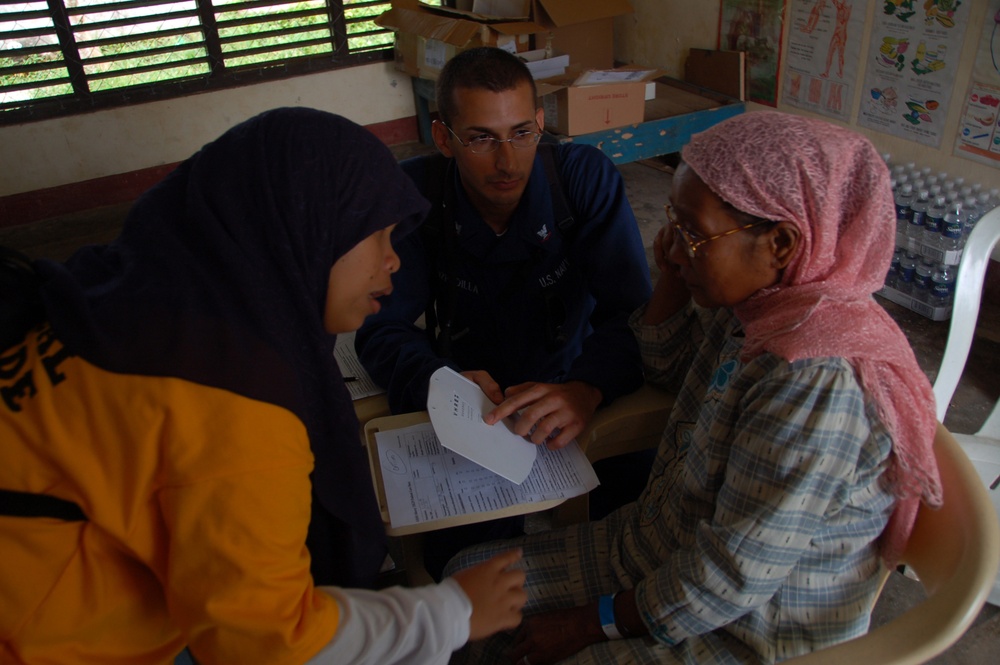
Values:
[(833, 186)]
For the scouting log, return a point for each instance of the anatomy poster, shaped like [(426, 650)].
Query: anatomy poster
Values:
[(824, 46), (754, 27), (912, 61), (979, 134)]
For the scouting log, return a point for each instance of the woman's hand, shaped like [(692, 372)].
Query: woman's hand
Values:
[(661, 245), (670, 293), (496, 592), (552, 636)]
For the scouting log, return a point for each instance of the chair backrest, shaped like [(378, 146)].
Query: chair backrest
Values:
[(632, 422), (964, 313), (955, 551)]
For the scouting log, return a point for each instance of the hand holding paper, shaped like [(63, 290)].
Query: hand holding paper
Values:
[(456, 407)]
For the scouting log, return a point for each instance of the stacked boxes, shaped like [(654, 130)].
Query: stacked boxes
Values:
[(580, 31), (595, 101)]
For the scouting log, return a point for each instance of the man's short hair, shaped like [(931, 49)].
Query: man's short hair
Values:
[(483, 68)]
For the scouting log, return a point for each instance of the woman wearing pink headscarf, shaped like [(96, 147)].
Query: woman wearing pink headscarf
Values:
[(799, 446)]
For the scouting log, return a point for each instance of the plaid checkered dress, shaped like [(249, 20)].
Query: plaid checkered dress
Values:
[(755, 537)]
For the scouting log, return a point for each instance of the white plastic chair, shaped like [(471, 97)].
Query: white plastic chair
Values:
[(955, 551), (982, 447)]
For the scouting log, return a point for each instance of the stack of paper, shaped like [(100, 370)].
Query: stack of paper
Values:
[(459, 465)]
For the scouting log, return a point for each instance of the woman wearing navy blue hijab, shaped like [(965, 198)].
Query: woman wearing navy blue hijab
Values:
[(177, 388)]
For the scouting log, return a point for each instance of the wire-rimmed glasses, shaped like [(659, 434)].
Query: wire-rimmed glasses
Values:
[(691, 242), (522, 138)]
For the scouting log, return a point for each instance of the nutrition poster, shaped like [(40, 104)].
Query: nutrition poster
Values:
[(912, 61), (978, 135)]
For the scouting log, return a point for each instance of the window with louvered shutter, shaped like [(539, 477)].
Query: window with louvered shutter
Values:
[(59, 57)]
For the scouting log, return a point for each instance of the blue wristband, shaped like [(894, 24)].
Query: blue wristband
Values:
[(606, 612)]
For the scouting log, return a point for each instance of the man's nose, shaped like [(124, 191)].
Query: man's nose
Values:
[(505, 154)]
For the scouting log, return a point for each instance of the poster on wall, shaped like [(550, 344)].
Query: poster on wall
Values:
[(978, 135), (821, 61), (912, 62), (754, 27)]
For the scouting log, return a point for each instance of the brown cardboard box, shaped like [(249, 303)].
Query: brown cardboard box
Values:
[(582, 28), (482, 10), (427, 36), (573, 109), (560, 13), (722, 71), (426, 40), (590, 45), (505, 8)]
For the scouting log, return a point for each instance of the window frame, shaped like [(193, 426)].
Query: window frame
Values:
[(219, 76)]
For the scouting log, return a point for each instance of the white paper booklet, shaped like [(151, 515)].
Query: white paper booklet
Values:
[(359, 383), (456, 406), (425, 482)]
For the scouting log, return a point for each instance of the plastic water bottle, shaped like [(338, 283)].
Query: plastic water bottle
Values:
[(934, 221), (915, 229), (892, 277), (942, 286), (907, 272), (952, 230), (984, 202), (904, 213), (971, 212), (921, 287)]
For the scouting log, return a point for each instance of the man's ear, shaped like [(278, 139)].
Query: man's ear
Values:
[(785, 238), (442, 137), (540, 118)]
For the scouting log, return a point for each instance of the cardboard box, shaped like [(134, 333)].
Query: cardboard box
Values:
[(573, 108), (583, 29), (426, 40), (722, 71), (561, 13), (484, 10), (546, 13), (542, 67), (590, 45), (427, 35)]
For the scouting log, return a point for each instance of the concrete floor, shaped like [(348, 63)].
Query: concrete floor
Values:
[(648, 186)]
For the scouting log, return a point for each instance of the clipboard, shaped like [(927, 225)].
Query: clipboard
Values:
[(388, 423)]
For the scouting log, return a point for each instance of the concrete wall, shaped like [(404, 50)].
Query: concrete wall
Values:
[(58, 152), (50, 153), (661, 32)]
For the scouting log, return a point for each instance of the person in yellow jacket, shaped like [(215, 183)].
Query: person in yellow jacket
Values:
[(167, 401)]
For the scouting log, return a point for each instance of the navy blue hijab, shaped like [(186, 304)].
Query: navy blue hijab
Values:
[(220, 275)]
